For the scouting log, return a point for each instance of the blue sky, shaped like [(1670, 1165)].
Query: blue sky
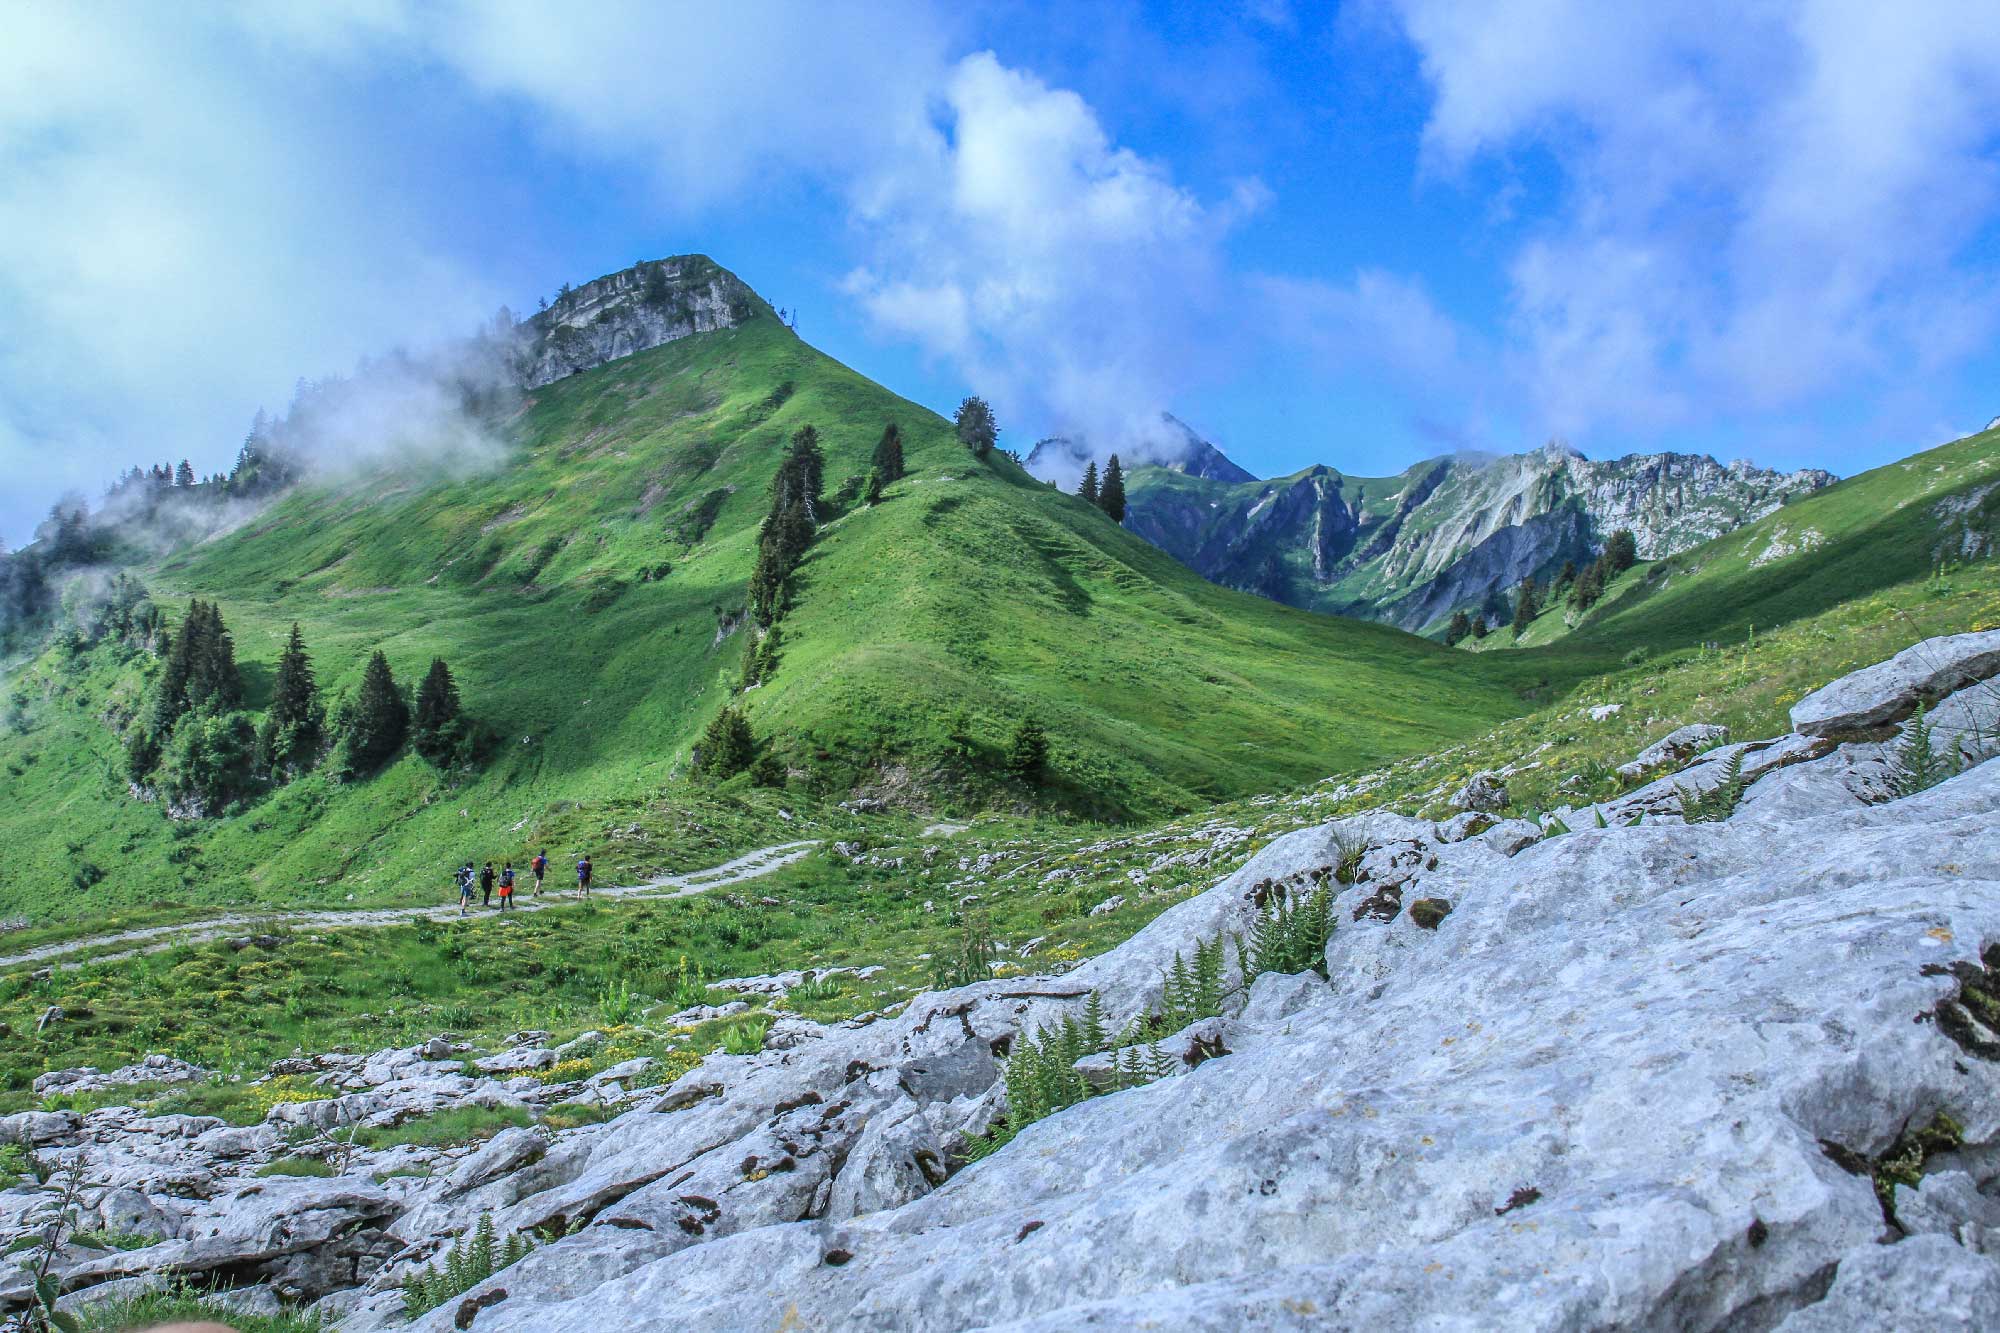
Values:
[(1359, 234)]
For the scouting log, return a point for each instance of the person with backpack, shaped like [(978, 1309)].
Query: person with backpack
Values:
[(465, 888), (540, 865), (583, 876), (507, 887), (486, 886)]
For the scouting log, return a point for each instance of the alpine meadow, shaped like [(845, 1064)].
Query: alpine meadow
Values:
[(1247, 669)]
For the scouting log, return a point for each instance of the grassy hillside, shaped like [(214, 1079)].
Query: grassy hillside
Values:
[(1864, 534), (579, 967), (587, 591)]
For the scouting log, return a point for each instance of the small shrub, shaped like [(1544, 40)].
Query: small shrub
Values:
[(616, 1003), (471, 1260), (821, 987), (968, 959), (746, 1037)]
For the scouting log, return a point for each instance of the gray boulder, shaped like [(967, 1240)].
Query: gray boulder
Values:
[(1866, 702), (1925, 1283), (1482, 792), (1674, 749)]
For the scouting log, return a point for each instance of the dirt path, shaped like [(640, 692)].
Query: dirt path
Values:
[(152, 939)]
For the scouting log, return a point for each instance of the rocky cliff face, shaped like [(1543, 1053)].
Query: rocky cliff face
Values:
[(1448, 534), (623, 313)]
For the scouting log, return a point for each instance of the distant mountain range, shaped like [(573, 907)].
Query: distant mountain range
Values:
[(1448, 534)]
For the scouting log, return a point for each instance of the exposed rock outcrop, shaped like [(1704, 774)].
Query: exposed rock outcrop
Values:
[(1643, 1074), (1448, 533), (628, 312)]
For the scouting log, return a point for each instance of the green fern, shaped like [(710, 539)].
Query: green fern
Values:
[(1291, 935), (470, 1261), (1718, 802), (1917, 766)]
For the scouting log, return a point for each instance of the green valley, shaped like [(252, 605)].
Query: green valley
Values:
[(587, 587)]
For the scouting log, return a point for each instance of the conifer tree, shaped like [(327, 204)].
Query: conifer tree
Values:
[(1479, 627), (184, 474), (1111, 494), (1527, 605), (888, 461), (295, 728), (975, 426), (1028, 756), (435, 730), (727, 747), (872, 493), (377, 722), (1087, 488), (1621, 552), (1461, 625)]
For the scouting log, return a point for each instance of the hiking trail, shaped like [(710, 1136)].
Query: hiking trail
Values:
[(152, 939)]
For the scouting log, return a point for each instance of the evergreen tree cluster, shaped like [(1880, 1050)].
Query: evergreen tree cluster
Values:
[(789, 525), (1527, 604), (197, 747), (1107, 492), (1456, 632), (888, 460), (1621, 552)]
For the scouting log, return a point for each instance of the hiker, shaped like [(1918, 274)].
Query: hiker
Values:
[(507, 886), (486, 886), (465, 888), (583, 876), (540, 865)]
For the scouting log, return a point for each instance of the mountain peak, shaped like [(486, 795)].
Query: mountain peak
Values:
[(1173, 445), (633, 310)]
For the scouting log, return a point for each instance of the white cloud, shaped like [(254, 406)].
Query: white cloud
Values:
[(1762, 204), (1069, 279), (200, 209), (183, 242)]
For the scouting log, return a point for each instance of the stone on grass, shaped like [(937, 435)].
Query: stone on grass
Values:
[(1865, 702), (1482, 792)]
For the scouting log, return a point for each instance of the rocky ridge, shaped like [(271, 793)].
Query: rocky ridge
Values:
[(627, 312), (1647, 1072), (1449, 534)]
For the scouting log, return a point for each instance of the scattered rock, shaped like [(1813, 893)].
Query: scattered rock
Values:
[(1674, 749), (1484, 792), (1109, 905), (1865, 702)]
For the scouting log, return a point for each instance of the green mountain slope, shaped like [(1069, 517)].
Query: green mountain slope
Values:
[(1880, 528), (587, 591)]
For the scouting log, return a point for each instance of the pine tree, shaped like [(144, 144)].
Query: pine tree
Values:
[(435, 731), (1087, 488), (1111, 494), (1479, 627), (1564, 582), (184, 474), (1622, 551), (295, 728), (872, 494), (727, 747), (888, 461), (1461, 625), (975, 426), (378, 721), (1029, 753), (1527, 605)]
